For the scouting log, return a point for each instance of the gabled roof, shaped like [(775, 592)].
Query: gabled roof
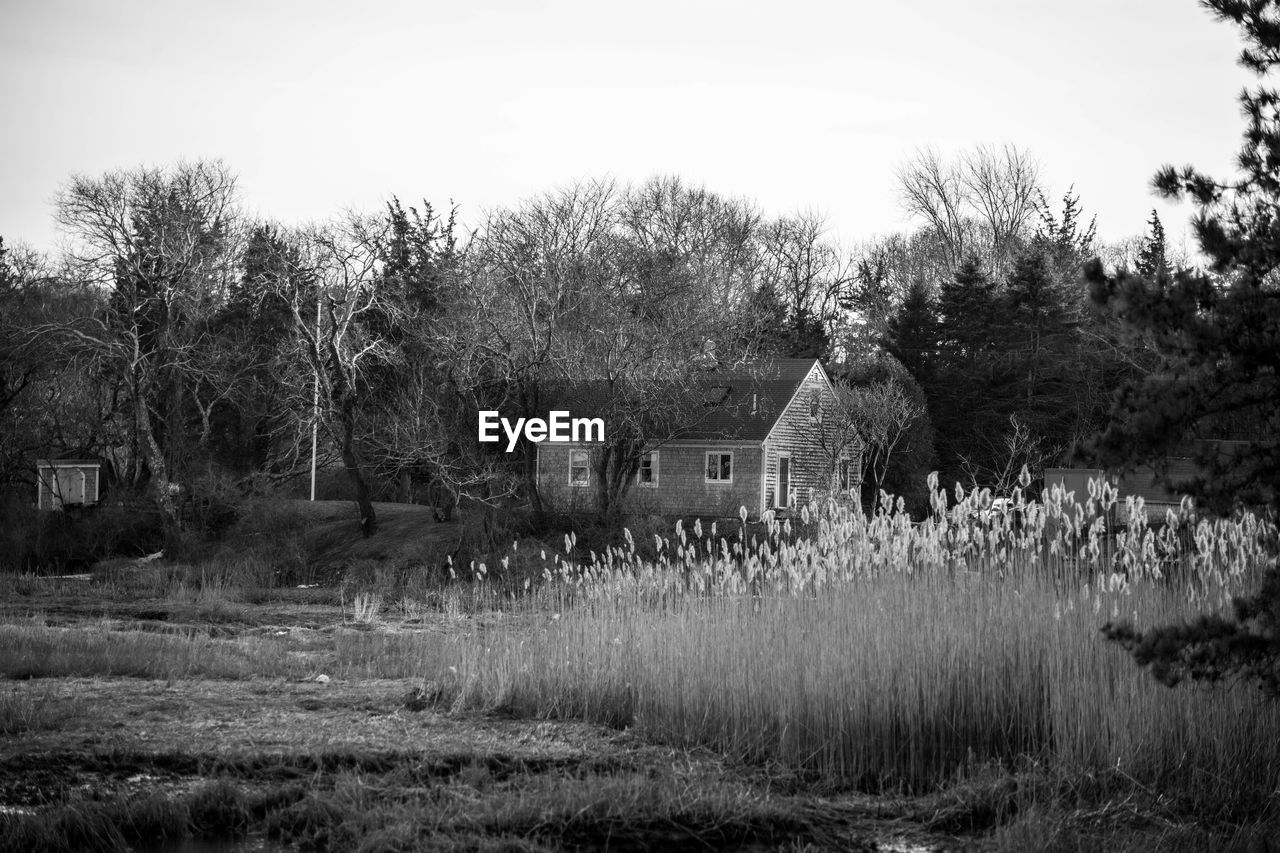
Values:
[(742, 403), (745, 403)]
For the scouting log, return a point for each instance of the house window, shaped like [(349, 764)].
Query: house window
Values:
[(648, 473), (578, 467), (719, 467), (846, 475)]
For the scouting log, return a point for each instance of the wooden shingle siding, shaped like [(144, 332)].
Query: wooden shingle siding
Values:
[(794, 435), (682, 488)]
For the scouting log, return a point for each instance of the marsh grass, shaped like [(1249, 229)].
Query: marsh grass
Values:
[(470, 808), (216, 810), (34, 651), (900, 656), (23, 710), (365, 607)]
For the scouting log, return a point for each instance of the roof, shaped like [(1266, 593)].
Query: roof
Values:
[(754, 397), (68, 463), (738, 404), (1180, 469)]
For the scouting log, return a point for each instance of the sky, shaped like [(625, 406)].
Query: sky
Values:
[(803, 106)]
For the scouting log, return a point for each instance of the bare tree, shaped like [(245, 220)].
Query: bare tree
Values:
[(883, 271), (162, 242), (980, 204), (680, 236), (1003, 186), (882, 413), (1014, 450), (602, 297), (812, 274), (340, 318)]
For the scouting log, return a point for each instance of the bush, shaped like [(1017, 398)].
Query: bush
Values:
[(47, 541)]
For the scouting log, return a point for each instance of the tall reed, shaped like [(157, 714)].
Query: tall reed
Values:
[(893, 653)]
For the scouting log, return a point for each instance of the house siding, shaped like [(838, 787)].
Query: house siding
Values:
[(682, 488), (795, 434)]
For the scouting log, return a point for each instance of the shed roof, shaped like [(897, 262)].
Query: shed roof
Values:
[(1180, 470)]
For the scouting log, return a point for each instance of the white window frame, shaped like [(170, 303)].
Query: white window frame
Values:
[(844, 474), (706, 467), (653, 467), (777, 481), (586, 463)]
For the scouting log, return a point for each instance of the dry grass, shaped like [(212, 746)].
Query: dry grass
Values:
[(869, 651), (24, 711)]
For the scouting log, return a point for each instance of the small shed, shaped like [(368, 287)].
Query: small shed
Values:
[(66, 482)]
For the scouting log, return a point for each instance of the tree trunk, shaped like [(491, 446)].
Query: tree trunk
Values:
[(615, 474), (351, 460), (529, 465), (165, 497)]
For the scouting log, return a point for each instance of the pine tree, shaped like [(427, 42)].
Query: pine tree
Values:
[(764, 323), (967, 309), (1062, 241), (1037, 348), (1152, 259), (1218, 335), (966, 403), (911, 335)]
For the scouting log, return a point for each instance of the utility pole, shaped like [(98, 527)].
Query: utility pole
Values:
[(315, 402)]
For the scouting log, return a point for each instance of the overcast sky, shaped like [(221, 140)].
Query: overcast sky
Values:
[(798, 105)]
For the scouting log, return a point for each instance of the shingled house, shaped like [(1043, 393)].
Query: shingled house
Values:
[(763, 439)]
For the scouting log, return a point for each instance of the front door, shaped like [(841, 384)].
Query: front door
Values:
[(783, 497)]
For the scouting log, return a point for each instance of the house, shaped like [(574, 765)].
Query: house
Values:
[(763, 437), (66, 482), (1159, 494)]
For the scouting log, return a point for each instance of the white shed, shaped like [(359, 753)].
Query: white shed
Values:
[(64, 482)]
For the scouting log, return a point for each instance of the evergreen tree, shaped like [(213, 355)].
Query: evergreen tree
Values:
[(1065, 245), (1218, 335), (771, 328), (911, 334), (250, 328), (807, 335), (764, 324), (1037, 349), (421, 253), (966, 404), (967, 306), (1152, 260)]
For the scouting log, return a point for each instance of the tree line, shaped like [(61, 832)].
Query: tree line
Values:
[(199, 351)]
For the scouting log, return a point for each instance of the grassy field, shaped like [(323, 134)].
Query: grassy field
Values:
[(848, 683)]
